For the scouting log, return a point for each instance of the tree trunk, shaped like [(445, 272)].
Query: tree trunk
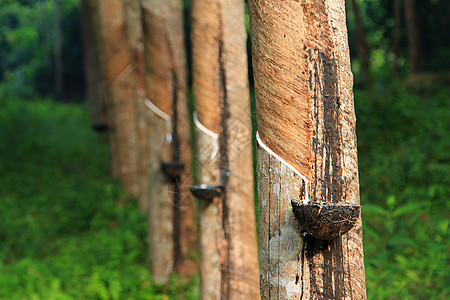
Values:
[(95, 88), (58, 50), (362, 46), (307, 147), (134, 31), (413, 36), (116, 70), (172, 228), (228, 261), (396, 35)]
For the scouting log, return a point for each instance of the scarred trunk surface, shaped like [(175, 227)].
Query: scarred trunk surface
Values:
[(228, 264), (172, 228), (307, 146)]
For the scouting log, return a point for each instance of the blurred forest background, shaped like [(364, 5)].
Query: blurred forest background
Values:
[(64, 237)]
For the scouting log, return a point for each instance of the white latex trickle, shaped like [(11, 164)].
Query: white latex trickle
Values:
[(268, 150), (202, 128)]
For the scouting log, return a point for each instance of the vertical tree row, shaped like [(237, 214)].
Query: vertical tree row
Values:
[(172, 228), (307, 151), (307, 164), (136, 56)]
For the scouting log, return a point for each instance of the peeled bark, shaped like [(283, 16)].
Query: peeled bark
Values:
[(172, 228), (228, 261), (307, 147)]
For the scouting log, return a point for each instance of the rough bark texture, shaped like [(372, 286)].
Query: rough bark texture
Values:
[(115, 68), (413, 36), (305, 115), (172, 228), (229, 265), (95, 87)]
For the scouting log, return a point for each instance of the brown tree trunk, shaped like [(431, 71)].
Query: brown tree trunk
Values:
[(307, 148), (413, 36), (362, 46), (95, 88), (396, 35), (58, 50), (116, 70), (228, 261), (134, 31), (172, 228)]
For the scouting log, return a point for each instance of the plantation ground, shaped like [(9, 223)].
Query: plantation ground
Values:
[(63, 236)]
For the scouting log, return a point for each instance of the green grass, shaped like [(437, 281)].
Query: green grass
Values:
[(62, 234), (403, 142)]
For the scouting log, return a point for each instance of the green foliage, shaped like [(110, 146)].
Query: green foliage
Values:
[(27, 47), (63, 234), (404, 170)]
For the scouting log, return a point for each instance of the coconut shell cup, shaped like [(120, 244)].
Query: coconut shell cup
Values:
[(326, 221), (206, 192)]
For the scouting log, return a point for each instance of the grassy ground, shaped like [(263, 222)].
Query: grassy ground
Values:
[(63, 237)]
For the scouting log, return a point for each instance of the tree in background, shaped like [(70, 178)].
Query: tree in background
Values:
[(363, 50), (307, 149), (228, 260), (58, 50), (413, 36), (172, 227)]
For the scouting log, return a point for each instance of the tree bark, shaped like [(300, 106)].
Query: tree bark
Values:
[(307, 147), (228, 261), (413, 36), (116, 73), (58, 50), (95, 88), (362, 46), (172, 228), (135, 38)]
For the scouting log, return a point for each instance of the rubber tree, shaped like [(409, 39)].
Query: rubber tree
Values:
[(115, 73), (95, 87), (135, 43), (307, 156), (228, 260), (172, 227)]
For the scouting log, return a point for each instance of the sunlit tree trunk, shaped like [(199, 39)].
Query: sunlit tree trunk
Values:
[(362, 45), (228, 261), (172, 228), (413, 36), (307, 147)]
